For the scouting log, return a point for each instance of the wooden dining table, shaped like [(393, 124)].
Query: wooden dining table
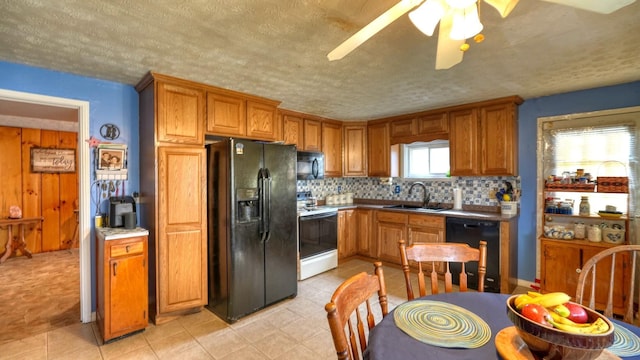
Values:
[(388, 342)]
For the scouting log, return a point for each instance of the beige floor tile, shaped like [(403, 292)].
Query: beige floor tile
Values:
[(73, 339), (246, 353), (223, 343), (276, 344), (31, 345), (298, 352), (119, 348), (145, 353), (155, 333), (321, 344), (181, 345)]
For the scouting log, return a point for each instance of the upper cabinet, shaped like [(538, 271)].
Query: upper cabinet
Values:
[(180, 112), (332, 148), (483, 138), (292, 130), (383, 158), (423, 126), (312, 139), (355, 149), (235, 114)]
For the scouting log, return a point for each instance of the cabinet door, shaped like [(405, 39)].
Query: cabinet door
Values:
[(332, 149), (560, 267), (293, 130), (226, 115), (128, 303), (346, 233), (463, 142), (426, 229), (498, 131), (403, 128), (379, 150), (355, 147), (180, 114), (262, 121), (181, 230), (364, 234), (312, 135), (391, 228), (433, 124)]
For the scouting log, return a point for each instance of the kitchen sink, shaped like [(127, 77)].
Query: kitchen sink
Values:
[(414, 207)]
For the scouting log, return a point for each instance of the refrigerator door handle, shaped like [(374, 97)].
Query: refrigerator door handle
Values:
[(267, 207), (262, 203)]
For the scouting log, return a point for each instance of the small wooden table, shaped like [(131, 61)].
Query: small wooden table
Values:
[(22, 245)]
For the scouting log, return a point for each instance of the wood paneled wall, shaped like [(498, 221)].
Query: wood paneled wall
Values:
[(53, 196)]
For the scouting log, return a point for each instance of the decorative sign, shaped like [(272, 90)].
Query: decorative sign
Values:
[(47, 160)]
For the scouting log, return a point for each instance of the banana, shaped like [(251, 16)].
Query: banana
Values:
[(521, 300), (562, 310), (533, 294), (597, 327), (549, 300), (563, 320)]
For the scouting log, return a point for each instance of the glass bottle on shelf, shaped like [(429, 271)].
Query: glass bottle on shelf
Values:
[(585, 208)]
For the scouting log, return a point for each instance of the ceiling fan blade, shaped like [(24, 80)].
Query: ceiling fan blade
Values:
[(372, 28), (599, 6), (449, 53), (504, 7)]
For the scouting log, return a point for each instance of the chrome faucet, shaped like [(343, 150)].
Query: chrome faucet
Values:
[(425, 200)]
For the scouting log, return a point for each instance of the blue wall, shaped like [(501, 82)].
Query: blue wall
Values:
[(109, 102), (604, 98)]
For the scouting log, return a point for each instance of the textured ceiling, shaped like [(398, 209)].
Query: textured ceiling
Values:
[(277, 49)]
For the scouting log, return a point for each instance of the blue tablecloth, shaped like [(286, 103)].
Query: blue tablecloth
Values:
[(387, 342)]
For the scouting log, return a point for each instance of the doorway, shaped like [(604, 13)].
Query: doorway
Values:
[(82, 111)]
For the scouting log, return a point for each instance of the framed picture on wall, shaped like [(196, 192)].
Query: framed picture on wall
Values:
[(49, 160), (112, 157)]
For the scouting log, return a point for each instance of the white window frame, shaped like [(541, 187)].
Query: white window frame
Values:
[(406, 163)]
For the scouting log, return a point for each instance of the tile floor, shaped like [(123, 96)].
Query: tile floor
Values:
[(292, 329)]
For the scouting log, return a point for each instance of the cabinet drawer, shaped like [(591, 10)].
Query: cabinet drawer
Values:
[(127, 249), (427, 220), (394, 217)]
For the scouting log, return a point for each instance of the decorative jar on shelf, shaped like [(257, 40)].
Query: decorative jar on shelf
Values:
[(585, 208)]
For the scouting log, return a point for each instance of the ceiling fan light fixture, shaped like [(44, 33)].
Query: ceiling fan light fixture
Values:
[(427, 16), (504, 7), (466, 23)]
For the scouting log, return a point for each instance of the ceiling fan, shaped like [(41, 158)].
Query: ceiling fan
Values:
[(458, 20)]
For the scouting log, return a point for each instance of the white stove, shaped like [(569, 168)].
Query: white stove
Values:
[(317, 237)]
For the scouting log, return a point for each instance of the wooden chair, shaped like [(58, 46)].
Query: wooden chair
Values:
[(442, 252), (345, 307), (610, 261)]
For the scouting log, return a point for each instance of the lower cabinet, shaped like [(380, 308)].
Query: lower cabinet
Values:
[(122, 284), (347, 230), (561, 264), (364, 237), (391, 227), (427, 229)]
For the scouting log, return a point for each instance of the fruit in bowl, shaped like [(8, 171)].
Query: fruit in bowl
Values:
[(544, 323)]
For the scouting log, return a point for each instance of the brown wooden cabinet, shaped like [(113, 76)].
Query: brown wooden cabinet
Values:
[(173, 209), (312, 135), (562, 261), (391, 227), (483, 138), (121, 284), (364, 232), (426, 229), (180, 112), (236, 114), (293, 130), (423, 126), (332, 148), (226, 114), (347, 233), (355, 150), (379, 149)]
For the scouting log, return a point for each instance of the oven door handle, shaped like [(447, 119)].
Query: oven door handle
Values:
[(318, 216)]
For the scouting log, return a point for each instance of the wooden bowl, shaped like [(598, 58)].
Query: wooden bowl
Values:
[(544, 340)]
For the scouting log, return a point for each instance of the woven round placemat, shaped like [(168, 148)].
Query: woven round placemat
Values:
[(625, 343), (441, 324)]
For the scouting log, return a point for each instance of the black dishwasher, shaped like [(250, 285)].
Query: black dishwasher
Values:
[(471, 231)]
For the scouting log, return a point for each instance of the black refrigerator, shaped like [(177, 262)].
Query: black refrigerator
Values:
[(252, 232)]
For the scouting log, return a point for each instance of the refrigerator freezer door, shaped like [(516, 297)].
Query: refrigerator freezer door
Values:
[(281, 248)]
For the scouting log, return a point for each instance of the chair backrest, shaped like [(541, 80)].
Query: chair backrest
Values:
[(610, 261), (425, 254), (345, 308)]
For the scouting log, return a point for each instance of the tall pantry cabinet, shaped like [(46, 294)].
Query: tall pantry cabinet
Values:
[(173, 194)]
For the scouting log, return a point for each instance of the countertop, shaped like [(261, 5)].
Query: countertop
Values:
[(470, 214), (106, 233)]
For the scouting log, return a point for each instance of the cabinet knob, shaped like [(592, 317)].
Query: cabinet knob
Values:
[(578, 270), (127, 248)]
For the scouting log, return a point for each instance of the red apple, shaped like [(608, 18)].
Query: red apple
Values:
[(577, 313), (537, 313)]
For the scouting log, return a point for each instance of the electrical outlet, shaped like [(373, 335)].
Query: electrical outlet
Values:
[(339, 189), (397, 189)]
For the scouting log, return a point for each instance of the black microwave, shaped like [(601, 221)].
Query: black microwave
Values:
[(310, 165)]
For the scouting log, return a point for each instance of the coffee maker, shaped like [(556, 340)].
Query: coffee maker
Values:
[(118, 206)]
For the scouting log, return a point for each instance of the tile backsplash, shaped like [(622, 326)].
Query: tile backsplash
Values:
[(475, 190)]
